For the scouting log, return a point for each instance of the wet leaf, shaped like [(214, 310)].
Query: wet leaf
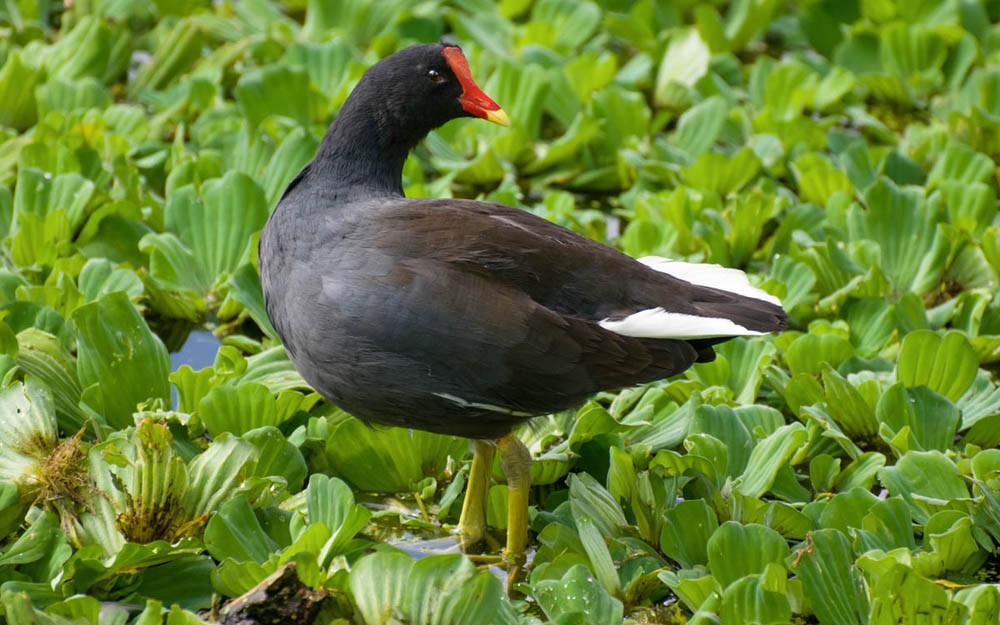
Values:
[(116, 344)]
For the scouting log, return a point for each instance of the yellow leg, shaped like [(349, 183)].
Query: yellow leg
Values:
[(516, 460), (472, 523)]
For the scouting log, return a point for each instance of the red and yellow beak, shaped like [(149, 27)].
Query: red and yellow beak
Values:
[(473, 100)]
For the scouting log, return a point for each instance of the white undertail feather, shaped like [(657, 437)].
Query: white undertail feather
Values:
[(657, 323), (715, 276)]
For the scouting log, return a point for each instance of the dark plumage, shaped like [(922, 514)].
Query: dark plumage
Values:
[(458, 316)]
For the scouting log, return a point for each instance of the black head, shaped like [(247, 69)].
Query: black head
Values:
[(420, 88), (395, 104)]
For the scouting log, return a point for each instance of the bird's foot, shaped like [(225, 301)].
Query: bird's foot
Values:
[(515, 569), (517, 467), (469, 535), (472, 524)]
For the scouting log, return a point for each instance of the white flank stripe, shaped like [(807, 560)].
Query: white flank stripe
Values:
[(656, 323), (715, 276), (474, 404)]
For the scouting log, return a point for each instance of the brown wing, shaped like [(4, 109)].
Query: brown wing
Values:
[(486, 352), (557, 268)]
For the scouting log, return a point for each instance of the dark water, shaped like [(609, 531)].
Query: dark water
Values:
[(198, 351)]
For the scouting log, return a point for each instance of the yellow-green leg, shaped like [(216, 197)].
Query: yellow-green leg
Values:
[(472, 523), (516, 461)]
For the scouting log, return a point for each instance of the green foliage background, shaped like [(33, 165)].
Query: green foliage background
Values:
[(843, 152)]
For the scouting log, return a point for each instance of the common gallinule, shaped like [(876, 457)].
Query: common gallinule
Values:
[(464, 317)]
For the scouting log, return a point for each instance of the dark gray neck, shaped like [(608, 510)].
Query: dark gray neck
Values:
[(363, 151)]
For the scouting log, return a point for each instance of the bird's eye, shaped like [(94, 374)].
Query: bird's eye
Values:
[(434, 76)]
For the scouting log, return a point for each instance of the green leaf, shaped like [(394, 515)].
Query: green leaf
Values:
[(686, 532), (750, 214), (693, 587), (588, 499), (276, 456), (931, 419), (960, 164), (295, 151), (981, 601), (273, 369), (245, 288), (970, 205), (901, 595), (809, 353), (736, 550), (927, 480), (740, 365), (700, 126), (819, 179), (847, 509), (35, 543), (582, 130), (872, 324), (888, 526), (788, 89), (825, 565), (72, 95), (913, 54), (328, 63), (823, 470), (389, 460), (276, 90), (116, 344), (330, 501), (597, 551), (912, 251), (714, 171), (847, 407), (624, 114), (950, 543), (218, 227), (768, 457), (86, 608), (41, 195), (684, 63), (239, 409), (179, 47), (155, 484), (661, 422), (235, 532), (18, 79), (358, 23), (232, 578), (748, 600), (946, 364), (449, 589), (566, 24), (722, 423), (185, 583), (100, 277), (216, 473), (380, 583), (43, 355), (392, 588), (577, 593), (83, 51), (748, 18), (176, 271)]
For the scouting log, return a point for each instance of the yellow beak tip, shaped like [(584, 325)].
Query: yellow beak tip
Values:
[(498, 117)]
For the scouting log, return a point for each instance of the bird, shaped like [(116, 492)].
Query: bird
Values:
[(466, 317)]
